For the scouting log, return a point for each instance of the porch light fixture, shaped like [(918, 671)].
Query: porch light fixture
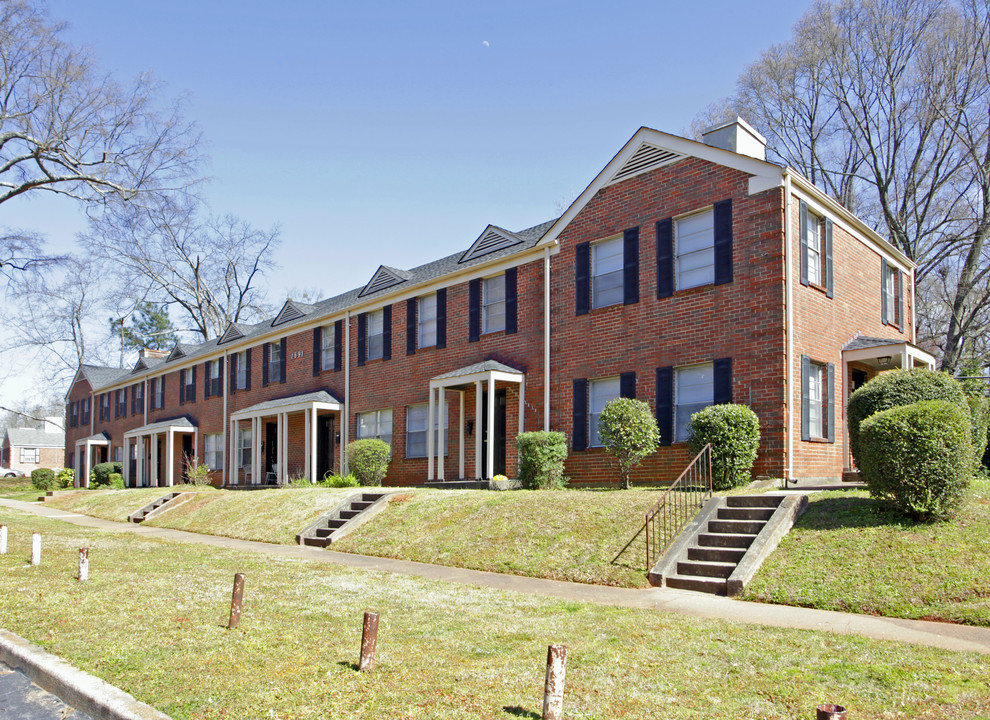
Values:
[(883, 361), (470, 427)]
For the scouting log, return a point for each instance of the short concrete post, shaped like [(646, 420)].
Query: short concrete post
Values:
[(3, 539), (83, 564), (36, 549), (236, 600), (828, 711), (553, 692), (369, 642)]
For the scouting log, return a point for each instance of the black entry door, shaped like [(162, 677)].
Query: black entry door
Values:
[(324, 445), (498, 435), (187, 453), (271, 447)]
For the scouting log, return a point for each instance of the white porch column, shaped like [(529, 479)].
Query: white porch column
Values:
[(283, 449), (841, 424), (905, 359), (139, 459), (314, 446), (440, 434), (490, 435), (430, 415), (169, 458), (477, 429), (460, 419), (153, 480), (127, 462), (235, 456), (255, 450), (307, 443), (522, 405)]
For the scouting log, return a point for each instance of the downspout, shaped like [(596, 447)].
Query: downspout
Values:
[(546, 339), (345, 421), (788, 328), (914, 310), (228, 441)]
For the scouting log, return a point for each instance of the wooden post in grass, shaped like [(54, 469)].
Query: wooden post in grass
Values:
[(553, 691), (3, 539), (36, 549), (83, 564), (369, 642), (829, 711), (235, 601)]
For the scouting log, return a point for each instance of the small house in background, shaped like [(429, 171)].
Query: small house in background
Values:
[(26, 449)]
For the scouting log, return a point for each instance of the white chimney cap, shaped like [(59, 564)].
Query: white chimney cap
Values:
[(737, 136)]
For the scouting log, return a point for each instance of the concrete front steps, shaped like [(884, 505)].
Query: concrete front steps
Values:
[(346, 517), (165, 502), (722, 548)]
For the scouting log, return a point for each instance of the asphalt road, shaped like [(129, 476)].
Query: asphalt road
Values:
[(20, 699)]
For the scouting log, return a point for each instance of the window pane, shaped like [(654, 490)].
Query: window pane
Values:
[(696, 250), (694, 391), (427, 318), (600, 392), (607, 289), (376, 338)]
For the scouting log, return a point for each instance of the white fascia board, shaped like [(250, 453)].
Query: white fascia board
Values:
[(295, 407), (484, 375), (765, 174), (827, 205)]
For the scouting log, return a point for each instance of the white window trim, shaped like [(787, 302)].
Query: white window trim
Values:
[(328, 348), (678, 283), (274, 362), (213, 457), (439, 437), (387, 437), (679, 436), (420, 322), (33, 458), (486, 326), (593, 439), (242, 367), (373, 353), (816, 386), (595, 275)]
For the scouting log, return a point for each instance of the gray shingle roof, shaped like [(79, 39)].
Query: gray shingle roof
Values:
[(868, 342), (101, 377), (321, 396), (29, 437), (181, 422), (486, 366)]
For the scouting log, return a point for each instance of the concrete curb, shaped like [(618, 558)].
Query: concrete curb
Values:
[(87, 693)]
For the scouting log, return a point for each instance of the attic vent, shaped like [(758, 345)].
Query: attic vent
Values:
[(140, 365), (646, 158), (383, 278), (231, 333), (491, 240), (177, 352), (289, 312)]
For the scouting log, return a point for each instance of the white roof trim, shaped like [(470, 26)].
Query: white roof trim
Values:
[(248, 413), (491, 240), (384, 277), (646, 157)]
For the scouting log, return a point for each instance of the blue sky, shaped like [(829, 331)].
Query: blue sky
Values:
[(394, 132)]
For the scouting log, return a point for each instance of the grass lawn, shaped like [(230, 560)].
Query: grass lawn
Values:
[(19, 488), (152, 620), (850, 553)]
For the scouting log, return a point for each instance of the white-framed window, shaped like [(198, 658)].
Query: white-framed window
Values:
[(105, 406), (696, 249), (30, 455), (607, 272), (244, 448), (416, 422), (375, 424), (274, 362), (376, 334), (890, 300), (242, 370), (600, 393), (816, 417), (120, 399), (213, 377), (426, 320), (213, 450), (493, 304), (813, 239), (118, 454), (694, 390), (190, 390), (328, 349)]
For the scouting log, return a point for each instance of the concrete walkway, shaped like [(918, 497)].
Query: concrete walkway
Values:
[(934, 634)]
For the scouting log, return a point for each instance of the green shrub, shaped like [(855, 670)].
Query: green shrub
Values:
[(339, 481), (918, 457), (979, 417), (100, 477), (65, 478), (196, 473), (629, 431), (734, 433), (116, 481), (895, 388), (541, 459), (368, 460), (43, 479)]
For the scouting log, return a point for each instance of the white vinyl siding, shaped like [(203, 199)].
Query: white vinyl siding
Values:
[(493, 304), (694, 390), (696, 250), (606, 272), (426, 319), (213, 450), (375, 424), (600, 392), (376, 334), (416, 421)]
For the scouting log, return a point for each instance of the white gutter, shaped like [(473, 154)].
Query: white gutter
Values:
[(788, 326), (546, 340)]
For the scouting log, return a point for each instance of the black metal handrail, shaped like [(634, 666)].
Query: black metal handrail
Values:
[(678, 505)]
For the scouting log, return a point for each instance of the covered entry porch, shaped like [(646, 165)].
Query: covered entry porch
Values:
[(265, 440), (489, 417), (152, 452), (89, 452)]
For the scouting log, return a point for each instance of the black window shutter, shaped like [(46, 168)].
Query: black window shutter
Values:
[(665, 259), (283, 357), (829, 279), (627, 385), (805, 398), (803, 232), (387, 333), (442, 318), (665, 404), (830, 399), (191, 396), (579, 433), (207, 380), (511, 314), (883, 289), (247, 374), (900, 300), (722, 372), (317, 350), (233, 371), (362, 333), (723, 242), (412, 307), (474, 310), (630, 266), (338, 344), (220, 377), (133, 400), (582, 278), (182, 386), (264, 365)]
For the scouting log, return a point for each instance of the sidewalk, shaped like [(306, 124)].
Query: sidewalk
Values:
[(934, 634)]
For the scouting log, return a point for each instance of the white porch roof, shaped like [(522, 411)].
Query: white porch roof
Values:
[(489, 370), (320, 400), (886, 352), (101, 438), (181, 424)]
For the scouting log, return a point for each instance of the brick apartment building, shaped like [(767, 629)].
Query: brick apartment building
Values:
[(687, 273)]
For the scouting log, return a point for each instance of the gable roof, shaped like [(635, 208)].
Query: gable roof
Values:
[(100, 377), (492, 239), (384, 277), (292, 310), (29, 437)]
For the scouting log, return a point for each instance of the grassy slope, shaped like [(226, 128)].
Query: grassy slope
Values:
[(152, 620), (849, 553)]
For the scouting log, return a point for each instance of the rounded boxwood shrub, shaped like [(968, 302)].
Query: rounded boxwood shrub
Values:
[(629, 431), (43, 479), (918, 457), (541, 459), (895, 388), (734, 433), (368, 460), (102, 471)]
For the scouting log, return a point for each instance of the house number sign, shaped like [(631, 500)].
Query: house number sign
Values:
[(297, 354)]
